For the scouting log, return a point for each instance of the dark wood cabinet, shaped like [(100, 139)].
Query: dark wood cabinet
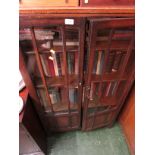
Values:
[(78, 70), (99, 3)]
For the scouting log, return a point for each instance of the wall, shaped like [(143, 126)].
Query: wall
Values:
[(127, 120)]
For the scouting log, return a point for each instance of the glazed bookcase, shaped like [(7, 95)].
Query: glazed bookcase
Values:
[(77, 73)]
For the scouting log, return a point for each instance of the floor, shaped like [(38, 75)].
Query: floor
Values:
[(105, 141)]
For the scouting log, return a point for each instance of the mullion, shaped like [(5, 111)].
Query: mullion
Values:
[(80, 65), (90, 67), (27, 79), (40, 67), (65, 66), (122, 69), (107, 52), (129, 50), (98, 103)]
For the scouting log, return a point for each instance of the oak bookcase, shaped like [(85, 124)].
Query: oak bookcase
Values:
[(77, 63)]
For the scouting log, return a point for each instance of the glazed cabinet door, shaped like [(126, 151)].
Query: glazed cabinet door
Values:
[(109, 72), (52, 50)]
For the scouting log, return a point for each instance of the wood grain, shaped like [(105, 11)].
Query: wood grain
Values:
[(52, 3), (98, 3), (127, 120), (78, 11)]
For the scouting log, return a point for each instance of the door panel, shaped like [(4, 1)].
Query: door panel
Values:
[(110, 68), (52, 53)]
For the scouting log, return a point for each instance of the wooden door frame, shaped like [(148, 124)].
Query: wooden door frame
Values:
[(27, 22), (95, 24)]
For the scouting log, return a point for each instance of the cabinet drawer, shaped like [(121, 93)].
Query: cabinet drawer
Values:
[(48, 3), (91, 3)]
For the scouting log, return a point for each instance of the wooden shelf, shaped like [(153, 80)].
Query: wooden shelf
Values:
[(116, 44), (62, 107), (100, 109), (56, 49), (108, 77), (57, 81), (104, 101)]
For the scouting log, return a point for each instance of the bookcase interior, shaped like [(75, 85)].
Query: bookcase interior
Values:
[(50, 49)]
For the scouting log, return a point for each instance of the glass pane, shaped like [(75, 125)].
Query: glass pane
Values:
[(72, 48), (111, 89), (123, 34), (53, 64), (73, 99), (103, 34), (97, 109), (131, 63), (115, 60), (72, 39), (118, 60), (98, 63), (94, 95), (103, 89), (120, 89), (73, 62), (25, 39), (48, 39), (43, 99), (57, 96)]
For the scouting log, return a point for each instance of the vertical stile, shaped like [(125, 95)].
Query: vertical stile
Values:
[(123, 67), (81, 56), (107, 52), (26, 77), (126, 91), (118, 83), (90, 66), (129, 50), (65, 66), (30, 86), (97, 104), (92, 51), (40, 67)]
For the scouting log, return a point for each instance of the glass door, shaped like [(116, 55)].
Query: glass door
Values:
[(53, 54), (110, 69)]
